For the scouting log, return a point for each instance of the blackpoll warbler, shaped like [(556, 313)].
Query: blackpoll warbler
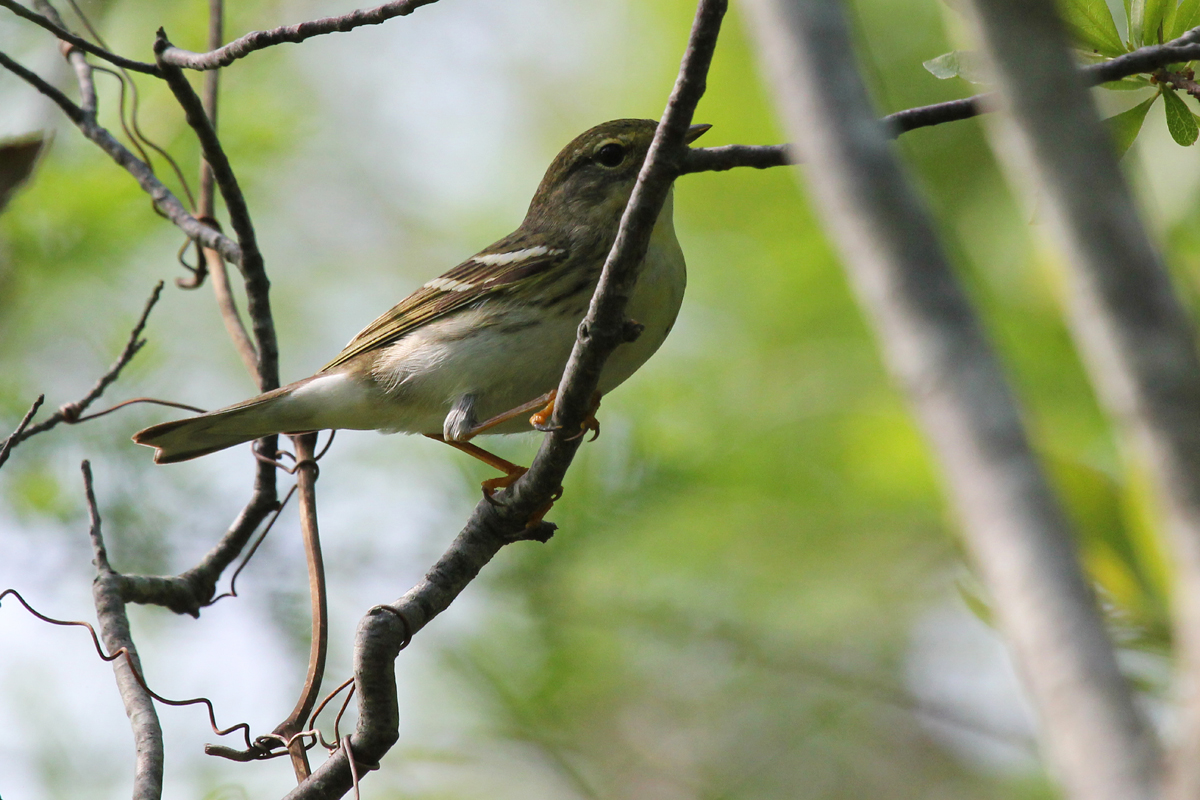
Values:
[(489, 336)]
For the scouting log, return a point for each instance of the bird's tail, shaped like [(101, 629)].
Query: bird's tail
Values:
[(253, 419)]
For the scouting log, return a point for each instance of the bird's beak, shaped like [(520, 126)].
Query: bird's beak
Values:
[(694, 132)]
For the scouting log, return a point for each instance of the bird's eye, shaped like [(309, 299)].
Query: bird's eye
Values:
[(611, 155)]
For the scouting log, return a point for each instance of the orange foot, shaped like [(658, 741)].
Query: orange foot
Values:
[(541, 420)]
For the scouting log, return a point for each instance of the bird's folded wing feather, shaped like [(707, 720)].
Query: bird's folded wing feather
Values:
[(504, 265)]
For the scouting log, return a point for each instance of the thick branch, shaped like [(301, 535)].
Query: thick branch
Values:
[(936, 347), (1138, 341), (258, 40)]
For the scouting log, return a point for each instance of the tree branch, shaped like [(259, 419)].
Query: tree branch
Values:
[(251, 263), (936, 347), (70, 412), (114, 630), (58, 29), (386, 630), (259, 40), (160, 194), (1136, 336), (14, 437), (1144, 60)]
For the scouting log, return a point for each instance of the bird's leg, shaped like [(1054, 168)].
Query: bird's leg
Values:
[(491, 486), (511, 473), (512, 413)]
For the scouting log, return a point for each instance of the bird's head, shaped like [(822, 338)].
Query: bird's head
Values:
[(590, 180)]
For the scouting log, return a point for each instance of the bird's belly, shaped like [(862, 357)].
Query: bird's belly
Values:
[(500, 355), (655, 304)]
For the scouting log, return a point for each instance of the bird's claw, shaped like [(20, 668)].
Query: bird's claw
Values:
[(493, 485)]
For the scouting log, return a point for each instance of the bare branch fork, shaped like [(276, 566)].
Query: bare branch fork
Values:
[(1141, 61), (163, 198), (251, 261)]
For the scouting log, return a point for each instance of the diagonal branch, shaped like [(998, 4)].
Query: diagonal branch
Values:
[(71, 412), (385, 630), (58, 29), (163, 199), (936, 347), (14, 437), (259, 40), (1136, 336), (114, 630)]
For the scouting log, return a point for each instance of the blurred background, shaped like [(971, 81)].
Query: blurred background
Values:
[(756, 590)]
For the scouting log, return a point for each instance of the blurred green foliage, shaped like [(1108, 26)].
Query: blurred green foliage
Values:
[(729, 607)]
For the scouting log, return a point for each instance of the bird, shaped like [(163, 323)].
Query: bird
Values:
[(476, 348)]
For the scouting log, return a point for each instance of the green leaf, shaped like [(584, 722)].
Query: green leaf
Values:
[(944, 66), (1153, 12), (1091, 26), (1124, 127), (1137, 12), (1131, 83), (1180, 121), (957, 63), (1186, 17)]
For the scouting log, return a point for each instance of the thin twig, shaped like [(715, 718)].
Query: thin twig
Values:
[(13, 438), (114, 630), (251, 262), (306, 478), (70, 413), (83, 44), (258, 40), (1144, 60), (253, 549), (137, 400), (163, 199)]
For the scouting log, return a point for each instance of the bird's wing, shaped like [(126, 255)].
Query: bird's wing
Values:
[(507, 263)]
